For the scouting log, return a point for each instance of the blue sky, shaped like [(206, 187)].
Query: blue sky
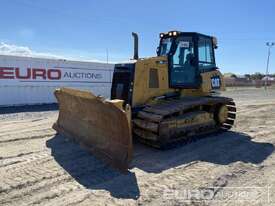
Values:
[(84, 29)]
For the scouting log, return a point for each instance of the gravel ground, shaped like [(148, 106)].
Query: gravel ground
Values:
[(38, 167)]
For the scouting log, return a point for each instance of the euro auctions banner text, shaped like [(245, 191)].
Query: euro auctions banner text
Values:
[(26, 75)]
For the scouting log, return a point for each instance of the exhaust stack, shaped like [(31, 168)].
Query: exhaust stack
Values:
[(135, 35)]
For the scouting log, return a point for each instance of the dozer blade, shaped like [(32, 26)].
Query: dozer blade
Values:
[(101, 126)]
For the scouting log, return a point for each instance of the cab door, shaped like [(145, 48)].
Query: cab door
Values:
[(183, 69)]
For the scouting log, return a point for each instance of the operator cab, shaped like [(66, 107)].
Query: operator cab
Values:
[(189, 54)]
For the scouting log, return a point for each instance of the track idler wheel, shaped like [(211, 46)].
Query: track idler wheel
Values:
[(227, 115)]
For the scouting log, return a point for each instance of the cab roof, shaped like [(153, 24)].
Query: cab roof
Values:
[(180, 33)]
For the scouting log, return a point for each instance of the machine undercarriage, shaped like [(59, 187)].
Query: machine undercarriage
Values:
[(163, 124)]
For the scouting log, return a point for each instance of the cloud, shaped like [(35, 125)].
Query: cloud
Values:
[(10, 49), (14, 50)]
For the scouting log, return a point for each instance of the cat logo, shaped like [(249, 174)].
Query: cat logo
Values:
[(215, 82)]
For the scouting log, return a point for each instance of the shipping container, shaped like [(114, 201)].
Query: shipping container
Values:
[(31, 80)]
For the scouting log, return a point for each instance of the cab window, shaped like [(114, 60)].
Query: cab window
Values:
[(165, 46), (206, 55)]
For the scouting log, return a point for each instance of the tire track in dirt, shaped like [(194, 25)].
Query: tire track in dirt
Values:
[(168, 188), (18, 196), (35, 134), (27, 116), (41, 118), (154, 189), (27, 130), (27, 157), (23, 128), (50, 190), (35, 171), (22, 146)]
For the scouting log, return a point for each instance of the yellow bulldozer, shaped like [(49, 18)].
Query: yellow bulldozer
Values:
[(161, 101)]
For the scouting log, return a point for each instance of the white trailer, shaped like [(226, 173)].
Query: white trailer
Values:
[(29, 80)]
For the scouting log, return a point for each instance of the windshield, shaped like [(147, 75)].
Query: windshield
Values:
[(165, 46)]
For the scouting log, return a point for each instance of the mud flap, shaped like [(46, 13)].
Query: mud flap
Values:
[(101, 126)]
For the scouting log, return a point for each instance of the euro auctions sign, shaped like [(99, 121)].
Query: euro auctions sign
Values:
[(32, 80), (15, 75), (30, 73)]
